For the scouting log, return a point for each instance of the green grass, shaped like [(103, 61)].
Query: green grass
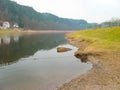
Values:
[(102, 39)]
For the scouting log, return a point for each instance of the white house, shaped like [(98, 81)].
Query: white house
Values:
[(1, 27), (5, 25), (15, 25)]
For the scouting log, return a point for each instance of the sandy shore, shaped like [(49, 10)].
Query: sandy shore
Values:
[(28, 32), (104, 75), (45, 31)]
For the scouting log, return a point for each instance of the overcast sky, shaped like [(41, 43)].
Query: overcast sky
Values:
[(90, 10)]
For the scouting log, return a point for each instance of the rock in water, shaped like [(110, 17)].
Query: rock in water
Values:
[(63, 49)]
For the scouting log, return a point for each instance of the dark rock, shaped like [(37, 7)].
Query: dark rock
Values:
[(63, 49), (83, 57)]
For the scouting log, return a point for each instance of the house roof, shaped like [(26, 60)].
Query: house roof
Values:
[(5, 22)]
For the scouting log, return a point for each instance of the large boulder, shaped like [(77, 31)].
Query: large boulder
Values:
[(63, 49)]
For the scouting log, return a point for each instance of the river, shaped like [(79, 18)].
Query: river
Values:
[(31, 62)]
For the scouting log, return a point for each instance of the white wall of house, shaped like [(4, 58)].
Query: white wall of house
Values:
[(16, 25), (6, 25)]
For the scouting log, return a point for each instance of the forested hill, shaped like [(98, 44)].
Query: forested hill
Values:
[(28, 18)]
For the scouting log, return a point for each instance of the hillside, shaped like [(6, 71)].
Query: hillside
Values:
[(28, 18)]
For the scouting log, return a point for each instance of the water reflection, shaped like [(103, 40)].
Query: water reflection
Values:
[(44, 70), (0, 40), (14, 47), (16, 38), (40, 67), (6, 40)]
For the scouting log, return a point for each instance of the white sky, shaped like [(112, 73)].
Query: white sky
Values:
[(90, 10)]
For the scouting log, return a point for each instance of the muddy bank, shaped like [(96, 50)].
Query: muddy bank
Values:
[(104, 75)]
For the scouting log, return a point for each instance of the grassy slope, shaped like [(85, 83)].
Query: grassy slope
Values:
[(104, 39)]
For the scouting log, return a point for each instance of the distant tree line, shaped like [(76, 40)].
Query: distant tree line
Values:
[(109, 23), (113, 22)]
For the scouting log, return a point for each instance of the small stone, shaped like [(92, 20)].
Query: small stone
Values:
[(63, 49)]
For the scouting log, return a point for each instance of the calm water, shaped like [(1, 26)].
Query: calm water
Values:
[(31, 62)]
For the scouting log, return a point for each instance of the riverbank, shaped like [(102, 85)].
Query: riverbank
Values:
[(20, 31), (101, 47)]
